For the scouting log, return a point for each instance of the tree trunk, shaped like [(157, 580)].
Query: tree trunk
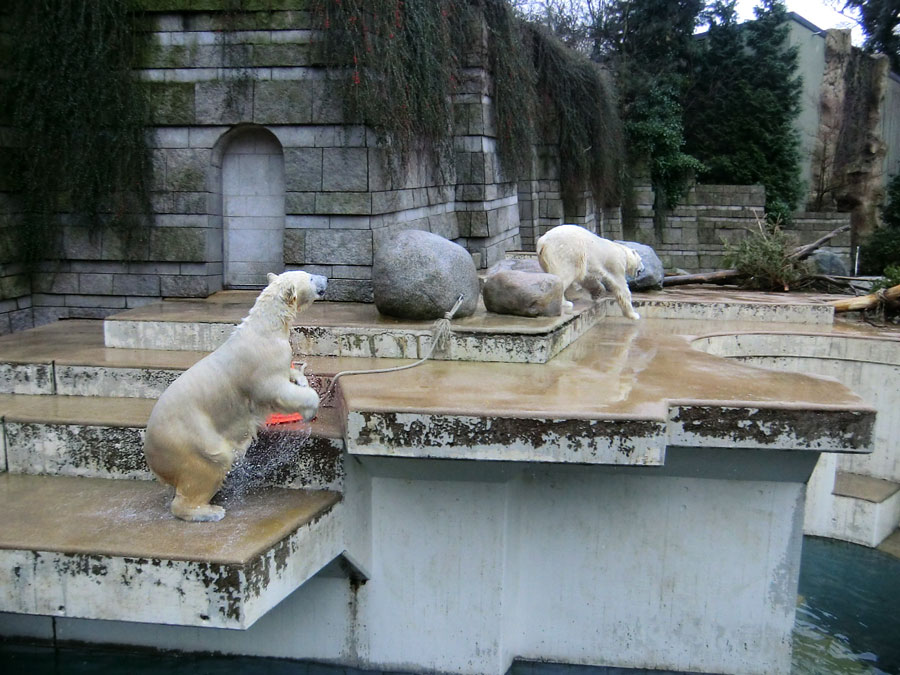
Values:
[(891, 294), (717, 277)]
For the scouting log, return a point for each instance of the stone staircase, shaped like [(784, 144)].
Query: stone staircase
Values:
[(80, 506)]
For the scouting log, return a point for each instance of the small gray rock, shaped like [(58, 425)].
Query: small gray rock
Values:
[(652, 276), (829, 263), (523, 293), (419, 275)]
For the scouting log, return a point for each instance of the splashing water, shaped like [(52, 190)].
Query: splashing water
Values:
[(272, 458), (269, 460)]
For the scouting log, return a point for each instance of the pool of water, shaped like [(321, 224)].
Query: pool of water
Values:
[(847, 624), (847, 610)]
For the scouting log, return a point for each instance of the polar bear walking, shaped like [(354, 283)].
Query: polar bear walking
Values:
[(578, 256), (211, 413)]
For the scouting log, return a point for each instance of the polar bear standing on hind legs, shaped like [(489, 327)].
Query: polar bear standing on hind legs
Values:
[(578, 256), (209, 416)]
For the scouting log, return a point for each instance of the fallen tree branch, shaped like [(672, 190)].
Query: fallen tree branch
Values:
[(718, 277), (802, 252), (869, 301)]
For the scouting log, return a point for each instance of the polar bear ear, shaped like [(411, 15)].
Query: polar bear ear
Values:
[(271, 277)]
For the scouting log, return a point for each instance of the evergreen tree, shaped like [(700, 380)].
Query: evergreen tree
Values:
[(881, 248), (650, 44), (744, 100), (880, 19)]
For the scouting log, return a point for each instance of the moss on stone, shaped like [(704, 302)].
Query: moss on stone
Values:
[(171, 102), (178, 244)]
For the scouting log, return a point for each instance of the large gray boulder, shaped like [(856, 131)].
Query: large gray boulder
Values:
[(523, 293), (419, 275), (829, 263), (652, 276)]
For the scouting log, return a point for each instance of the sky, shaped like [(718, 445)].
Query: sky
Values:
[(822, 13)]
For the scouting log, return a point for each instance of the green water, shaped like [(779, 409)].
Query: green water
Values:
[(847, 614), (847, 624)]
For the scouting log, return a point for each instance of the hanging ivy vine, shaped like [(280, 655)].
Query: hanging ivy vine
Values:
[(403, 61), (78, 118), (584, 106), (399, 65)]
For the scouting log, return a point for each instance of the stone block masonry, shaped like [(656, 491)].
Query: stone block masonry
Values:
[(230, 89), (697, 233), (222, 82)]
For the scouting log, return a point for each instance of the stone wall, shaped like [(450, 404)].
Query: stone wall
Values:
[(220, 82), (226, 87), (695, 234)]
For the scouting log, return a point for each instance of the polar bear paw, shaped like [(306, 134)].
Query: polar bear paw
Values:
[(206, 513), (298, 377)]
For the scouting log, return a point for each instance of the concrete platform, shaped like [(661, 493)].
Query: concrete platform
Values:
[(467, 487), (358, 330), (619, 395), (867, 509), (64, 539)]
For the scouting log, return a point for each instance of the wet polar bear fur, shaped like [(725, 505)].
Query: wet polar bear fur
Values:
[(209, 416), (578, 256)]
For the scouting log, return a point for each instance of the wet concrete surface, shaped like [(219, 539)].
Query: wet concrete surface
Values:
[(618, 368), (131, 518)]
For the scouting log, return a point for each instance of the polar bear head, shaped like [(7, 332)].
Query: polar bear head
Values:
[(634, 265), (297, 290), (286, 294)]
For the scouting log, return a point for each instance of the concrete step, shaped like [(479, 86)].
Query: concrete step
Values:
[(355, 330), (69, 358), (891, 544), (866, 509), (109, 549), (102, 437)]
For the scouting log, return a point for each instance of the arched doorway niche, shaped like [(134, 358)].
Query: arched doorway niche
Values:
[(251, 161)]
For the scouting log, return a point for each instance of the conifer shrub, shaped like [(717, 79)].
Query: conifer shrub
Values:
[(882, 247), (764, 257)]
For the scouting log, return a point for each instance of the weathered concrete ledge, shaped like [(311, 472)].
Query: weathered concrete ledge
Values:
[(796, 313), (621, 395), (358, 331), (64, 540), (579, 441), (101, 437)]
